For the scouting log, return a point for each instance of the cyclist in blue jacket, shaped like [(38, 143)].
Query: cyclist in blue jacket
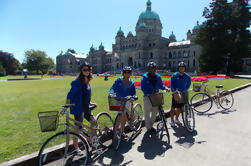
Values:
[(180, 81), (123, 87), (151, 83), (80, 95)]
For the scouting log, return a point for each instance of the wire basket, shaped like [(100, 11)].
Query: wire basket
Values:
[(114, 105), (156, 99), (196, 87), (48, 120)]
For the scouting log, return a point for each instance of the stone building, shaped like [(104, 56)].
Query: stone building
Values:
[(147, 45), (68, 63)]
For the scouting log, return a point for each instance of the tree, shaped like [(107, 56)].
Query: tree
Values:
[(36, 60), (2, 70), (224, 37), (8, 62)]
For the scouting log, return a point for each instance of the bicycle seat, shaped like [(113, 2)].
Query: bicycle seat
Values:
[(92, 106), (219, 86)]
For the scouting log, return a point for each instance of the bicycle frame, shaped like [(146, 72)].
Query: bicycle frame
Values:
[(215, 97)]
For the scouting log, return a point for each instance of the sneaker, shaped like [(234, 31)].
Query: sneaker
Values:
[(78, 152), (177, 122), (172, 124)]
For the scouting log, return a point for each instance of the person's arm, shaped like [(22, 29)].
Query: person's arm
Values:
[(114, 88), (172, 84), (133, 90), (143, 84), (188, 83), (74, 91)]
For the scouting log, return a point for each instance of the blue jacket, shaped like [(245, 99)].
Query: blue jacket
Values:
[(80, 95), (180, 83), (146, 85), (121, 89)]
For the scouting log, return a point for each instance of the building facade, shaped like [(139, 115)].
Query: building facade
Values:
[(147, 45), (68, 63)]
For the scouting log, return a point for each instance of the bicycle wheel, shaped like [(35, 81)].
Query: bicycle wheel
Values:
[(117, 132), (105, 125), (54, 151), (201, 102), (136, 117), (188, 117), (164, 125), (226, 99)]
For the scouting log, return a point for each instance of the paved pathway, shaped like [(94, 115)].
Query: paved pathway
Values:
[(220, 139)]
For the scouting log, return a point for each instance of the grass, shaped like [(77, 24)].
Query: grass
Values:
[(20, 101)]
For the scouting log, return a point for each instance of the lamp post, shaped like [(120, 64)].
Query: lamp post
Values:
[(228, 57)]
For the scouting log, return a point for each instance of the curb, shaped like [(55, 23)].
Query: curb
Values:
[(31, 159)]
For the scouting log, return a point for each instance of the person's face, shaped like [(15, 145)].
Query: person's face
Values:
[(127, 74), (85, 70), (151, 70), (182, 69)]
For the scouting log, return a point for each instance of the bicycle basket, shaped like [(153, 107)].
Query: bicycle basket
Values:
[(196, 87), (114, 105), (156, 99), (48, 120)]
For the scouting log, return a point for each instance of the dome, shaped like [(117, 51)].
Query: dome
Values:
[(197, 26), (172, 35), (149, 14), (120, 30), (61, 53)]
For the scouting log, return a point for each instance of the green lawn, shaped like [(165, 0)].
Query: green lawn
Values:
[(20, 101)]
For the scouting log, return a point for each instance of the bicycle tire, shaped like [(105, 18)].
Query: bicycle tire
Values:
[(201, 99), (105, 125), (117, 132), (161, 114), (52, 153), (137, 119), (226, 99), (188, 118)]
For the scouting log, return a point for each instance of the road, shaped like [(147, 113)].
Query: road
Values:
[(222, 138)]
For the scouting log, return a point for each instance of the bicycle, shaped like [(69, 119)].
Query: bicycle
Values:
[(59, 148), (134, 118), (223, 99), (187, 113), (157, 99)]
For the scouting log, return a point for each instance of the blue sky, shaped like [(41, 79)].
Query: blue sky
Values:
[(55, 25)]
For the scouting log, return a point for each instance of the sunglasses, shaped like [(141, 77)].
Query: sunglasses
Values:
[(85, 70)]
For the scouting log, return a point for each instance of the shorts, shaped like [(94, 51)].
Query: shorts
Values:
[(179, 105), (87, 115)]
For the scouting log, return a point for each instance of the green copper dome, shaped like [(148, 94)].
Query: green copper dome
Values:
[(142, 24), (120, 30), (197, 26), (149, 14), (172, 35)]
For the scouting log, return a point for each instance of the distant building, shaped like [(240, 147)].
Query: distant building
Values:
[(68, 63), (147, 45)]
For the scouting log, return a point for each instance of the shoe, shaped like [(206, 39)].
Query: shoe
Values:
[(172, 124), (151, 130), (78, 152), (177, 122), (124, 135)]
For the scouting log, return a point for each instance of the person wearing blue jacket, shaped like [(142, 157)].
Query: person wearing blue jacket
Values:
[(180, 81), (123, 87), (80, 96), (151, 82)]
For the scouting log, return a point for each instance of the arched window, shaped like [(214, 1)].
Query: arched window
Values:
[(174, 55), (151, 55), (194, 63), (179, 54)]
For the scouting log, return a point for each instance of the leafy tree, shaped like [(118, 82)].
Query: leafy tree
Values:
[(8, 62), (224, 36), (2, 70), (36, 60)]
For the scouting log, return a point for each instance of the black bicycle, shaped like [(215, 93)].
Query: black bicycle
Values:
[(157, 99)]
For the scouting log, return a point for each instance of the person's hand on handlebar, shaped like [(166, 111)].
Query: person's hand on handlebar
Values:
[(167, 89), (63, 110)]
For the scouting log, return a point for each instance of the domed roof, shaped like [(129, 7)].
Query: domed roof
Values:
[(120, 30), (61, 53), (197, 26), (149, 14), (172, 35)]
